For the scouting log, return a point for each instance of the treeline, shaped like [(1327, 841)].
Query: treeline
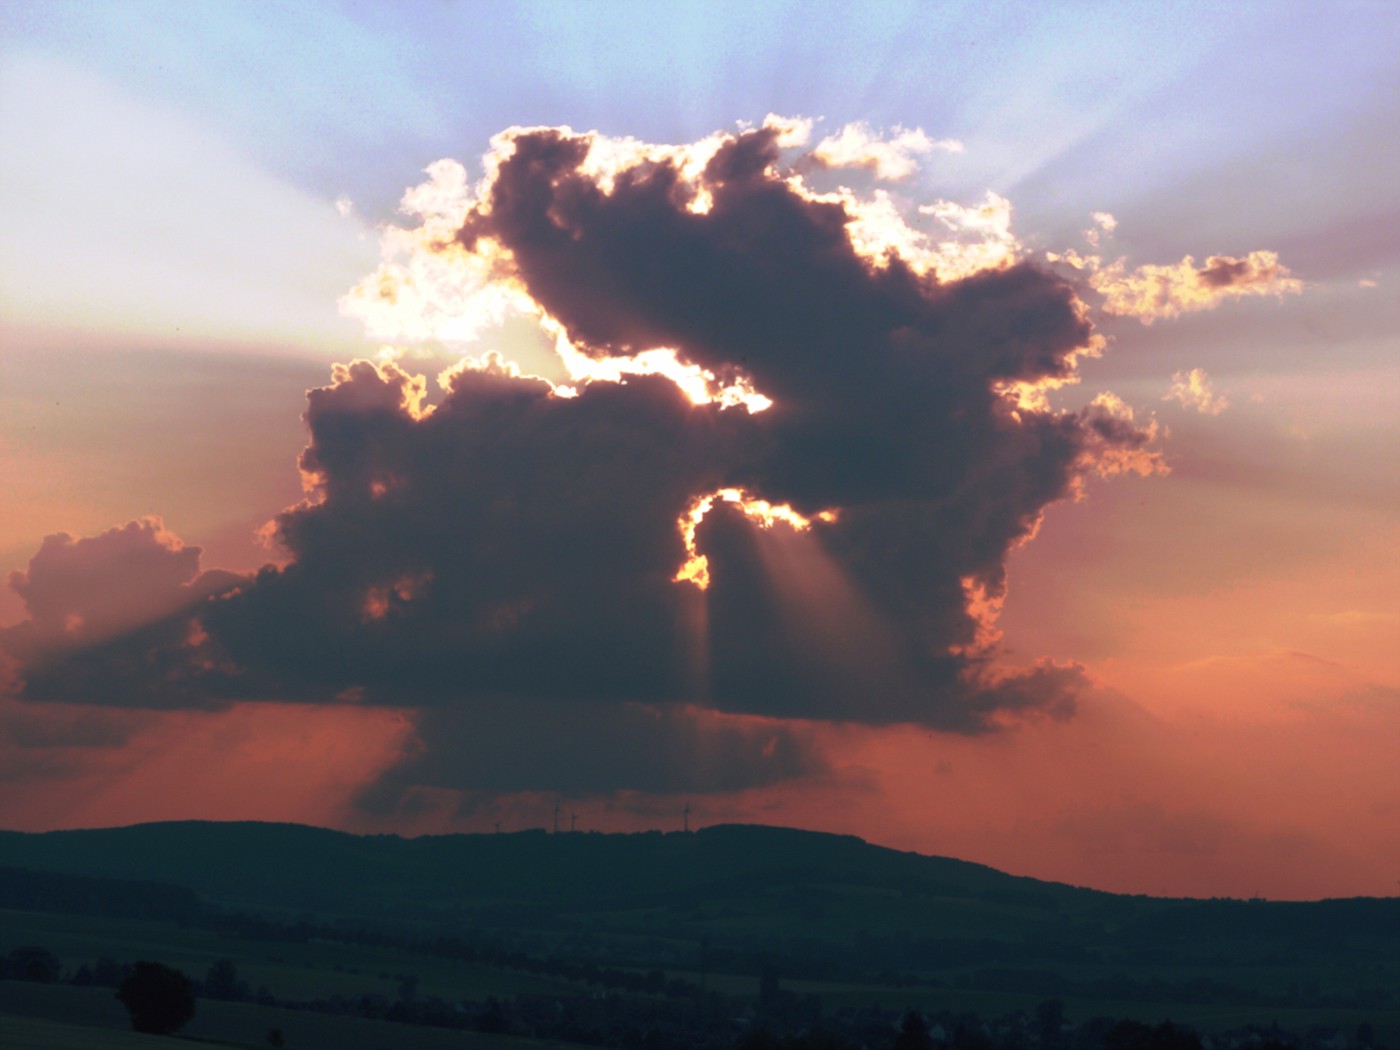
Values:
[(708, 1021), (982, 961), (121, 898), (1125, 987), (644, 1019), (1307, 924), (83, 895)]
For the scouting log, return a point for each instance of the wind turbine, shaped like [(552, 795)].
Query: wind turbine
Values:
[(685, 815), (573, 821)]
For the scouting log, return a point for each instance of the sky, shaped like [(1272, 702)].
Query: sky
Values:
[(970, 427)]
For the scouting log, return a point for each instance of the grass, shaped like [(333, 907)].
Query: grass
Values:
[(32, 1033), (318, 970), (56, 1016), (314, 970)]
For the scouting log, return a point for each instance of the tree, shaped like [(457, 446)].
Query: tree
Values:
[(221, 982), (768, 984), (913, 1033), (1050, 1024), (160, 1000), (493, 1018), (1134, 1035), (108, 972), (31, 963)]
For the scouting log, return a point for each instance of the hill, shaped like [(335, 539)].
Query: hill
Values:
[(844, 922), (750, 889), (293, 866)]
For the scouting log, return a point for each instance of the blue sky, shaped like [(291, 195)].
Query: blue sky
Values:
[(351, 98), (1265, 122)]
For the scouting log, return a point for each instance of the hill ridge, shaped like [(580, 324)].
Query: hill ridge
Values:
[(478, 877), (261, 862)]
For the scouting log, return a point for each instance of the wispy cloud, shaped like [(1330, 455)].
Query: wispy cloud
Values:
[(1193, 390)]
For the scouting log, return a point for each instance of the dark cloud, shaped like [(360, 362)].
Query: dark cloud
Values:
[(55, 726), (95, 587), (510, 542), (53, 741), (112, 621), (1221, 271), (507, 561), (509, 745)]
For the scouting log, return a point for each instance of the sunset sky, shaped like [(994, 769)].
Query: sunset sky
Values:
[(972, 427)]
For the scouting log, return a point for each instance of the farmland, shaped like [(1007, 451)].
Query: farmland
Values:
[(656, 941)]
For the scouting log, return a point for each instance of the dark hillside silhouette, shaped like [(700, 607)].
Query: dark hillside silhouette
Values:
[(754, 937), (256, 861), (765, 878), (735, 900)]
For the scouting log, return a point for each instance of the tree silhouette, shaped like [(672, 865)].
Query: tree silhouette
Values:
[(493, 1018), (221, 982), (913, 1033), (31, 963), (768, 984), (160, 1000), (1050, 1023), (1134, 1035)]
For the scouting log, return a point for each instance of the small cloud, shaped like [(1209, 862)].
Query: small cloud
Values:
[(1193, 390), (1359, 618), (858, 146), (1151, 293), (1366, 282), (1122, 446), (344, 207), (979, 236), (1104, 225), (791, 131)]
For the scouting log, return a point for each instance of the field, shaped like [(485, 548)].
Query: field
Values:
[(31, 1033), (321, 970), (58, 1016), (314, 970), (605, 938)]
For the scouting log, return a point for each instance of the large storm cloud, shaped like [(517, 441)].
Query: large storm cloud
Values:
[(631, 581)]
